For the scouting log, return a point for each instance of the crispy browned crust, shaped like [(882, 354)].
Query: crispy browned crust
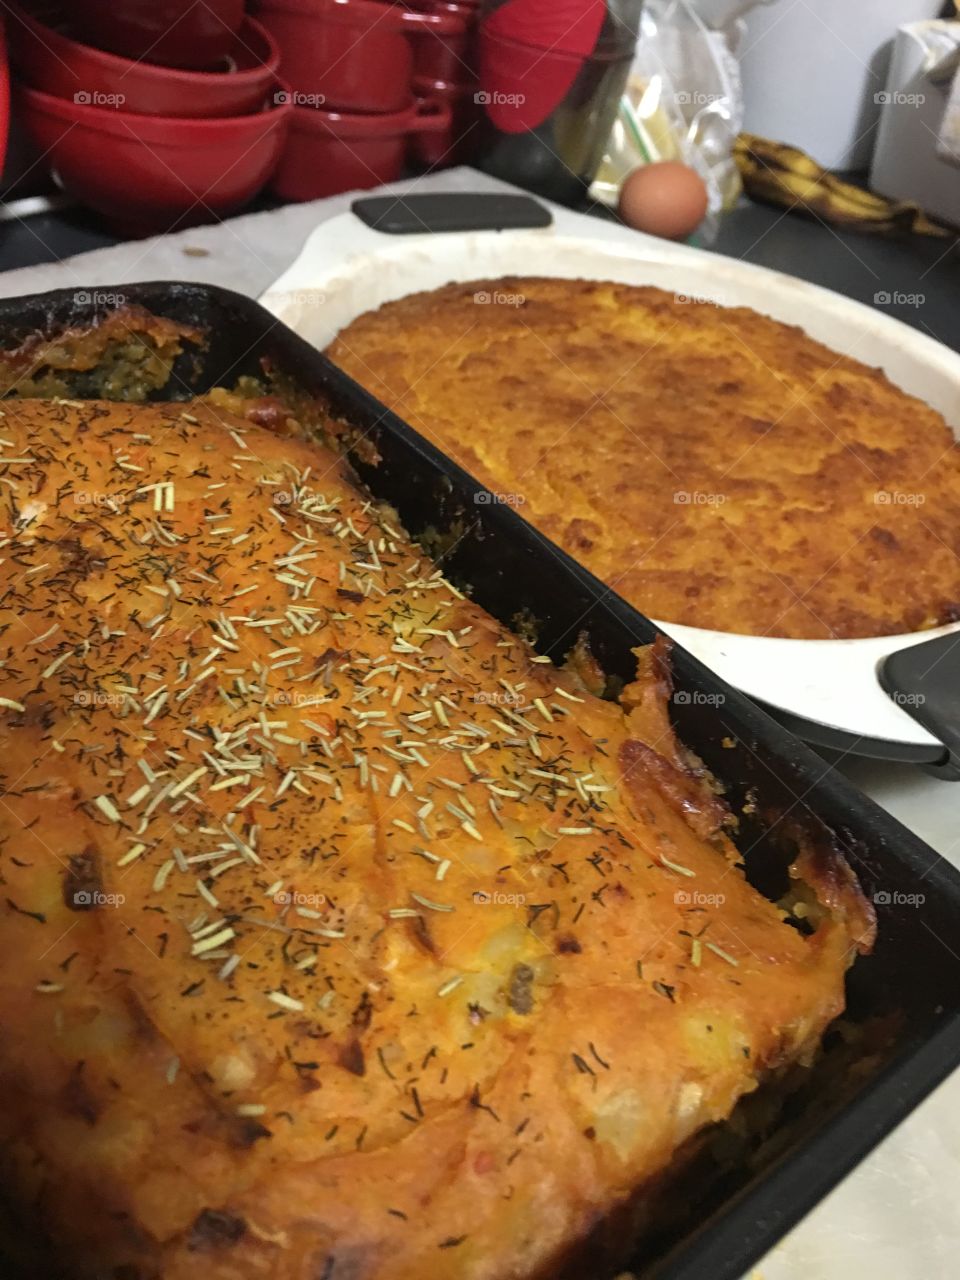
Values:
[(716, 467), (405, 957), (825, 870)]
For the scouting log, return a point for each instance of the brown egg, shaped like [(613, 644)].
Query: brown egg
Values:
[(667, 199)]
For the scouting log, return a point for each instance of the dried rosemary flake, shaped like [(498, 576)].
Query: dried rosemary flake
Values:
[(107, 808), (724, 955), (213, 941), (431, 905), (675, 866), (283, 1001)]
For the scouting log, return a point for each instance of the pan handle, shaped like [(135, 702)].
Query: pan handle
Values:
[(451, 211), (924, 680)]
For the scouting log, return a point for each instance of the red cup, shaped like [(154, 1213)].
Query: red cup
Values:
[(455, 145), (349, 55), (332, 151), (151, 173), (448, 57), (175, 33), (52, 61)]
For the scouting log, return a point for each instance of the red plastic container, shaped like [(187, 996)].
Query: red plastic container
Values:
[(456, 144), (332, 151), (175, 33), (49, 59), (151, 173), (350, 55)]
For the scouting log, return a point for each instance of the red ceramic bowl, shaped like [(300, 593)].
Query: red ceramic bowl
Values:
[(349, 55), (151, 173), (50, 60), (332, 151), (4, 96), (446, 56), (175, 33), (457, 144)]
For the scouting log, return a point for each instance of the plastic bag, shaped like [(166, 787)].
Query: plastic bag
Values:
[(683, 101)]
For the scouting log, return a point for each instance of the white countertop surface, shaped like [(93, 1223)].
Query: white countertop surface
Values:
[(897, 1216)]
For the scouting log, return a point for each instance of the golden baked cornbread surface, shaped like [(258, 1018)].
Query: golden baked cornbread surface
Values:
[(342, 938), (712, 465)]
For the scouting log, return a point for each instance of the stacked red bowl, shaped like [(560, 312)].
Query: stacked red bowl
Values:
[(174, 33), (355, 69), (4, 94), (445, 69), (144, 136)]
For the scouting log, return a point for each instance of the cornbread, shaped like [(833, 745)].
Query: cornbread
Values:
[(715, 467), (344, 938)]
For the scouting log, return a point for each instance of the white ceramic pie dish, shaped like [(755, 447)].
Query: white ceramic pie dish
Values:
[(827, 689)]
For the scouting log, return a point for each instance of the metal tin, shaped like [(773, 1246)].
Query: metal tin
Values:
[(902, 1025)]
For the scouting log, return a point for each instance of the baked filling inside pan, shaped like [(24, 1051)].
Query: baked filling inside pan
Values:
[(715, 467), (343, 935)]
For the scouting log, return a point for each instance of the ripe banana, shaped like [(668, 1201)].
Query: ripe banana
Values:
[(777, 174)]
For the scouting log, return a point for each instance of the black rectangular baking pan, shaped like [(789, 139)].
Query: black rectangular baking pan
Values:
[(901, 1033)]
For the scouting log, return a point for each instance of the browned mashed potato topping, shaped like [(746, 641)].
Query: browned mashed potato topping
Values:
[(344, 938)]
